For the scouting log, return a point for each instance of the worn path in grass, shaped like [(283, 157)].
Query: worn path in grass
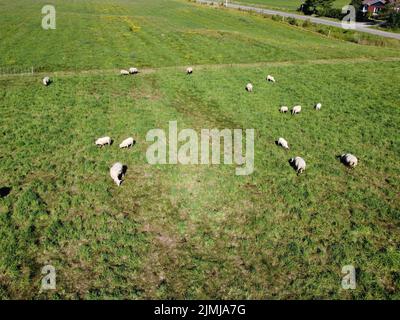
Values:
[(214, 66)]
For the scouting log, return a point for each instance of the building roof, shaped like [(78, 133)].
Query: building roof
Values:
[(372, 2)]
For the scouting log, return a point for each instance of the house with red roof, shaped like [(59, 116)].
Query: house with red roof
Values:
[(376, 6)]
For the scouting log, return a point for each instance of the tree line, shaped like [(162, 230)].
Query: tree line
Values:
[(390, 14)]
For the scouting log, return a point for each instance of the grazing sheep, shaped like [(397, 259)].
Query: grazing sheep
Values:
[(189, 70), (283, 143), (127, 143), (296, 109), (249, 87), (133, 70), (270, 79), (103, 141), (46, 81), (349, 160), (124, 72), (283, 109), (298, 164), (117, 172), (318, 106)]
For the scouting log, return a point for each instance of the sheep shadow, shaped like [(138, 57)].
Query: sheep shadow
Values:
[(291, 163), (4, 192), (124, 169), (123, 173), (342, 161)]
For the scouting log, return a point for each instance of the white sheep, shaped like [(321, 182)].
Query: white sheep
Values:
[(127, 143), (296, 109), (270, 79), (249, 87), (283, 109), (298, 164), (189, 70), (103, 141), (318, 106), (133, 70), (46, 81), (116, 173), (124, 72), (283, 143), (349, 160)]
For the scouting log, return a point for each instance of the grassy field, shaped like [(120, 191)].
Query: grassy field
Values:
[(286, 5), (104, 35), (175, 231)]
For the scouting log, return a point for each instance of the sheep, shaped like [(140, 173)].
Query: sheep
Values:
[(349, 160), (46, 81), (249, 87), (124, 72), (318, 106), (117, 173), (283, 109), (298, 164), (103, 141), (296, 109), (127, 143), (189, 70), (283, 143), (133, 70), (270, 79)]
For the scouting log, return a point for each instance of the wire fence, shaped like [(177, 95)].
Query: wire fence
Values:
[(16, 70), (213, 3)]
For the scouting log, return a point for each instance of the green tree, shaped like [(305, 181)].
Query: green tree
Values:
[(391, 14), (316, 6), (358, 4)]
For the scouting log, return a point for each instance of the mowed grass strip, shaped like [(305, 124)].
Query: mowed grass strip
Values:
[(202, 67), (118, 34), (200, 231)]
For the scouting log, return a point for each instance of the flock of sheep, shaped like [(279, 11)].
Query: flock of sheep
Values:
[(118, 170), (298, 163), (130, 71)]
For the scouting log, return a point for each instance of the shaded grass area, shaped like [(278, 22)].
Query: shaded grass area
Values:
[(117, 34), (200, 231), (388, 29)]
